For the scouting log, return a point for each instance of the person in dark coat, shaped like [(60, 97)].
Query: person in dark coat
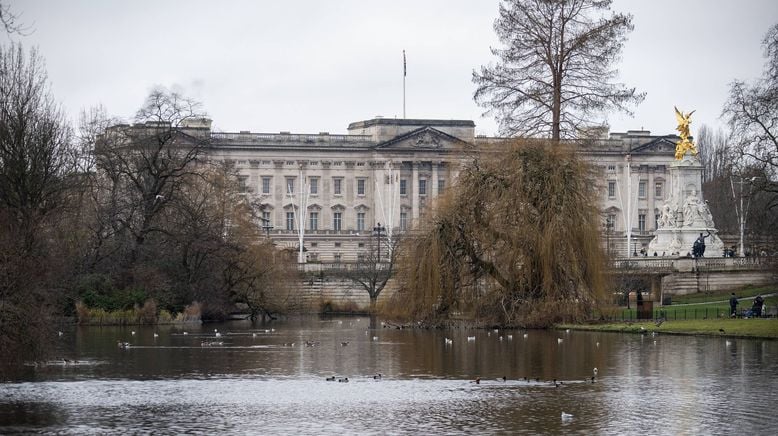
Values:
[(733, 305), (757, 307)]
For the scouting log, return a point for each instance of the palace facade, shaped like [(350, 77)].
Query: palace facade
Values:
[(339, 187)]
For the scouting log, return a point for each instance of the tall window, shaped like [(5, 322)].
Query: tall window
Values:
[(337, 257), (266, 218), (642, 221), (403, 220), (314, 221), (243, 184), (290, 221), (314, 183), (337, 186), (337, 219), (403, 187), (422, 187), (642, 189), (610, 222), (266, 185), (360, 186), (611, 189), (441, 185), (658, 189), (290, 185), (360, 221)]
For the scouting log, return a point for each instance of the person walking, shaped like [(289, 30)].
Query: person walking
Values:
[(733, 306)]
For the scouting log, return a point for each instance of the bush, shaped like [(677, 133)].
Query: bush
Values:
[(98, 291)]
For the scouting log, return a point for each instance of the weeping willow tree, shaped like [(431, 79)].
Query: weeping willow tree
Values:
[(513, 243)]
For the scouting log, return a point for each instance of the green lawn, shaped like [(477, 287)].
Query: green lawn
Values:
[(757, 328), (700, 306), (702, 297)]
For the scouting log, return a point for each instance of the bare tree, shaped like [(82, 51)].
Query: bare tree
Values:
[(36, 163), (10, 21), (717, 155), (375, 267), (554, 74), (148, 164), (752, 113)]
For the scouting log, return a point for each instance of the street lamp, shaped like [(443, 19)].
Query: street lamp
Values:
[(266, 226), (378, 230)]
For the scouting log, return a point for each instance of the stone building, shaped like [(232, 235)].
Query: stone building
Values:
[(388, 171)]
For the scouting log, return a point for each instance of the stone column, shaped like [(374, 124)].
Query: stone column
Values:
[(434, 179), (415, 190)]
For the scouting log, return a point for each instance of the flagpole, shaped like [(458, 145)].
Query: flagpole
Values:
[(404, 74)]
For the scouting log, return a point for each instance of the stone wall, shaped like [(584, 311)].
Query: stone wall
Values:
[(328, 293)]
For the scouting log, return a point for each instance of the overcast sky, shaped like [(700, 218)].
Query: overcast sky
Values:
[(310, 66)]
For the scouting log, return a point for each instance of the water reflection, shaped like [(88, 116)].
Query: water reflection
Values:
[(256, 381)]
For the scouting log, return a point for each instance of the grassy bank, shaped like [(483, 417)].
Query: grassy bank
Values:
[(752, 328), (747, 292)]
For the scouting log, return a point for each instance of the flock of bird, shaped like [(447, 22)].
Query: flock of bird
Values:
[(216, 340)]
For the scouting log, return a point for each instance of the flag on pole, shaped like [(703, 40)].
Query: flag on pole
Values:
[(405, 71)]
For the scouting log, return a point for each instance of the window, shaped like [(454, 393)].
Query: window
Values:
[(360, 221), (314, 185), (360, 257), (360, 186), (441, 185), (403, 187), (658, 189), (290, 221), (314, 219), (337, 245), (403, 220), (642, 221), (611, 168), (611, 189), (361, 245), (642, 189), (243, 185), (266, 218), (266, 185), (610, 222), (337, 186), (314, 244), (337, 219), (337, 257), (422, 187), (290, 185)]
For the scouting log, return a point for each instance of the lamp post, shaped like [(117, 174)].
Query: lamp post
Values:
[(266, 226), (377, 231)]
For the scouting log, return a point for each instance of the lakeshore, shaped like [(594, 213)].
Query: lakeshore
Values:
[(765, 328)]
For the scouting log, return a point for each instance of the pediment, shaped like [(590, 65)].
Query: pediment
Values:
[(658, 145), (424, 139)]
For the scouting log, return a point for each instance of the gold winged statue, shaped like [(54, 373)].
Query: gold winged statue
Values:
[(685, 144)]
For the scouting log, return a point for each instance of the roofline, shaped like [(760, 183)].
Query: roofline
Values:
[(409, 122)]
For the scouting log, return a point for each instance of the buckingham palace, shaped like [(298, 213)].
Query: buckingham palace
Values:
[(331, 190)]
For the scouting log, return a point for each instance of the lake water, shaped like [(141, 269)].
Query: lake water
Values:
[(257, 382)]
